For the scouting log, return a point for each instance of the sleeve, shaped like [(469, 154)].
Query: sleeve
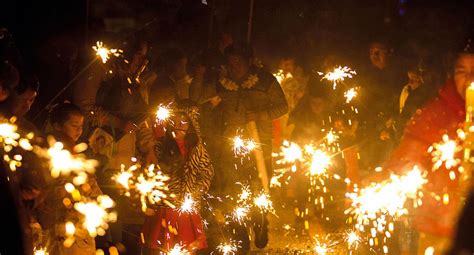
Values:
[(199, 172), (278, 105), (145, 138)]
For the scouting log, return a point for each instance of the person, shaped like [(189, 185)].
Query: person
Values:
[(415, 93), (16, 235), (444, 115), (66, 122), (380, 80), (182, 155), (120, 115)]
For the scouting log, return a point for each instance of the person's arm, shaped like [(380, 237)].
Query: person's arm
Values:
[(277, 106), (198, 175)]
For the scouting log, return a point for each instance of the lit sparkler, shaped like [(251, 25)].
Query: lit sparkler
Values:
[(96, 215), (240, 213), (350, 94), (243, 146), (103, 52), (338, 75), (263, 202), (163, 113), (320, 162), (291, 152), (228, 248), (40, 251), (188, 205), (178, 250), (353, 240), (444, 153)]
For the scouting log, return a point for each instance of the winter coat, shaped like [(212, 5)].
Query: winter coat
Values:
[(442, 115)]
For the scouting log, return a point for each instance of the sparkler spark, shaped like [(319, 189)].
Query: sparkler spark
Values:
[(263, 202), (228, 248), (188, 205), (376, 205), (40, 251), (96, 215), (178, 250), (103, 52), (350, 94), (291, 152), (240, 213), (444, 153), (163, 113), (320, 161), (338, 75), (243, 146), (353, 240)]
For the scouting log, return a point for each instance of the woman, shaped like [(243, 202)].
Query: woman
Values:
[(182, 155)]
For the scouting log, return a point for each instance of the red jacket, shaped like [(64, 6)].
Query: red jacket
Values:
[(442, 115)]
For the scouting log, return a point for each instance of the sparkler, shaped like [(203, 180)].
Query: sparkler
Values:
[(188, 205), (228, 248), (353, 240), (103, 52), (40, 251), (178, 250), (240, 213), (323, 246), (62, 162), (96, 215), (376, 205), (163, 113), (350, 94), (263, 202), (444, 153), (320, 162), (331, 137), (338, 75), (243, 146), (291, 152)]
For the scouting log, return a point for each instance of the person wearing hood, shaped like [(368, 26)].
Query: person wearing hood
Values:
[(182, 156)]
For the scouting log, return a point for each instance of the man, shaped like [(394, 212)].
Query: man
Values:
[(248, 94), (435, 220)]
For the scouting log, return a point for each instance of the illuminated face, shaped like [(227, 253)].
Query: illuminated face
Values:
[(238, 66), (23, 102), (464, 73), (73, 126), (378, 55), (180, 124)]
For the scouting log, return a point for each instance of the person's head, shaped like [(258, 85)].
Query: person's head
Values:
[(135, 52), (184, 119), (415, 74), (287, 64), (23, 97), (175, 63), (68, 119), (9, 79), (239, 59), (378, 54), (225, 40), (464, 67)]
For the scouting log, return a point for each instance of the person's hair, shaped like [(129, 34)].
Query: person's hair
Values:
[(466, 47), (240, 49), (8, 75), (61, 113), (131, 46), (27, 82)]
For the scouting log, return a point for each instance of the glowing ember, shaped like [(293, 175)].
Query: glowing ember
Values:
[(338, 75), (178, 250), (123, 178), (350, 94), (163, 113), (331, 137), (243, 146), (152, 188), (96, 215), (103, 52), (444, 153)]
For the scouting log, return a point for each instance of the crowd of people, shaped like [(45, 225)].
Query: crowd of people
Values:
[(400, 110)]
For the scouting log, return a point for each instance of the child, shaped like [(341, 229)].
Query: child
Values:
[(182, 155), (66, 121)]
